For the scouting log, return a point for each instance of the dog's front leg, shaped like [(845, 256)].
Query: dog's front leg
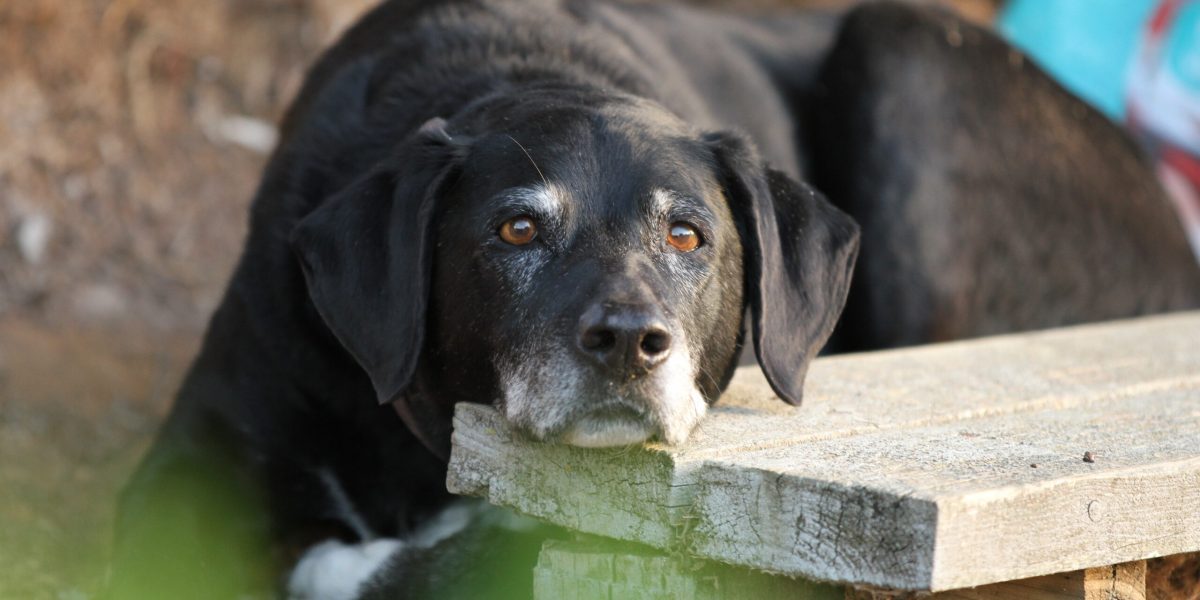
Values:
[(469, 550), (335, 570)]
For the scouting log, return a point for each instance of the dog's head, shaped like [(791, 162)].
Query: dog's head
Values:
[(585, 265)]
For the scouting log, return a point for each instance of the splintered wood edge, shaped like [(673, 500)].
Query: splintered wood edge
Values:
[(818, 529), (621, 493)]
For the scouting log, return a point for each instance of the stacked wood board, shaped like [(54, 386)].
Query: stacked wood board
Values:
[(932, 468)]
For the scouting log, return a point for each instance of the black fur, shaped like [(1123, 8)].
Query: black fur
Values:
[(991, 201), (799, 255)]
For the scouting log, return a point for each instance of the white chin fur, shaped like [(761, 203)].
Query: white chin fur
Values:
[(542, 390), (593, 432)]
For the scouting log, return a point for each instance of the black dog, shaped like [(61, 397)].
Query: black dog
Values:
[(544, 205)]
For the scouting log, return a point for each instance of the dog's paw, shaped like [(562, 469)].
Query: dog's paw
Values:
[(335, 570)]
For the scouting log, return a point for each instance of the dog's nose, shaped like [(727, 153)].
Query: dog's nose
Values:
[(625, 340)]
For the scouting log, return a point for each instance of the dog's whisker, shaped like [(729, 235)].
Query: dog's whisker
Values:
[(531, 161)]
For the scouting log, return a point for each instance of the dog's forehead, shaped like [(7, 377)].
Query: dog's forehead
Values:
[(558, 202), (591, 161)]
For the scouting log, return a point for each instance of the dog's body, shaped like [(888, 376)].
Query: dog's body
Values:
[(581, 115)]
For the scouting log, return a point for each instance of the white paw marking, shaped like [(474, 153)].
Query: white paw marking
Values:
[(335, 570)]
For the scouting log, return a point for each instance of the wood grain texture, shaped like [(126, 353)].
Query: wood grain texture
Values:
[(934, 468), (595, 570)]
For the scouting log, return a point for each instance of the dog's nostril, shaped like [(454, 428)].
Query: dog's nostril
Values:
[(625, 341), (655, 342), (598, 339)]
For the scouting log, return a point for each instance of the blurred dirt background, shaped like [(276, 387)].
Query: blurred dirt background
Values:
[(131, 137), (132, 133)]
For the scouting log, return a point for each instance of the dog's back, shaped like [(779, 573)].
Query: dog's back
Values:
[(991, 199)]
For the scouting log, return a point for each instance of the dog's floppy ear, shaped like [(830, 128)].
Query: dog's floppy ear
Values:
[(799, 253), (366, 253)]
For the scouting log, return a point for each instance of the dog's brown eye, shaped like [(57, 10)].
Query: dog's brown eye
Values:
[(518, 231), (683, 237)]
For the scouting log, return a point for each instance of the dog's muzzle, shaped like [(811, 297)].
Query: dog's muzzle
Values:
[(628, 378)]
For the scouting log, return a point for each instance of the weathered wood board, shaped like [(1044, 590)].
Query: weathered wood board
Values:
[(932, 468), (592, 569), (1126, 581)]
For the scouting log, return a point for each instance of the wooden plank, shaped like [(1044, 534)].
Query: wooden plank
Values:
[(1126, 581), (908, 469), (1117, 582), (619, 493), (884, 499), (593, 569)]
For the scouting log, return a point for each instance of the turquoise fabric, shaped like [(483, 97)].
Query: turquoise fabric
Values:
[(1087, 45), (1181, 47)]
